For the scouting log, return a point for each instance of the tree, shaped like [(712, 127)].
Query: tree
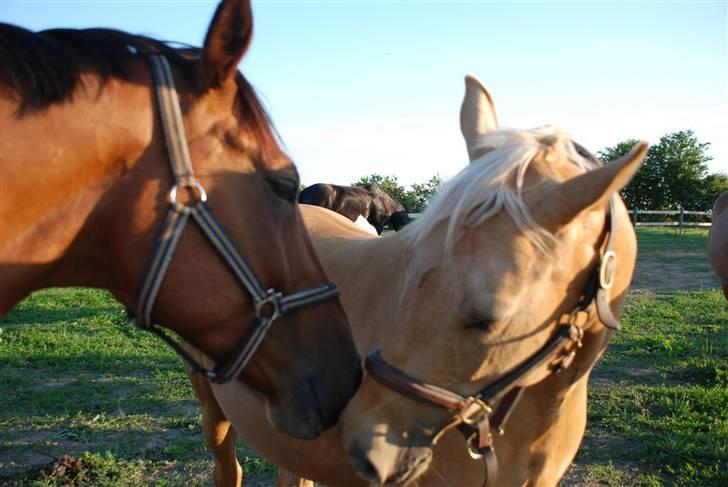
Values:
[(713, 186), (415, 199), (388, 183), (684, 165), (647, 188), (672, 176), (420, 194)]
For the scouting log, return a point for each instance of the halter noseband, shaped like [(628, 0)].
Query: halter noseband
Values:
[(476, 416), (269, 304)]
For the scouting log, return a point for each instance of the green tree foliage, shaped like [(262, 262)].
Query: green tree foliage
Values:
[(414, 199), (713, 186), (673, 175)]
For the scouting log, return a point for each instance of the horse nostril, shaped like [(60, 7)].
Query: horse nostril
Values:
[(363, 466)]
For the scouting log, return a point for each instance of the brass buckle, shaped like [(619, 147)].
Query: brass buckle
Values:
[(483, 410)]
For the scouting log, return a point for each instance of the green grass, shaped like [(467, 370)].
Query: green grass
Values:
[(659, 406), (662, 239), (668, 260), (77, 379)]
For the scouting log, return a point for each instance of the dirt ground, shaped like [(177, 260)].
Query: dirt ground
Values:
[(670, 270)]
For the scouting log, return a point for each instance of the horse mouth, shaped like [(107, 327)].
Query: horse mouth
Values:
[(413, 467)]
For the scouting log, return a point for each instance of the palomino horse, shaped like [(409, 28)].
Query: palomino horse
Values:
[(490, 291), (718, 241), (85, 187), (372, 202)]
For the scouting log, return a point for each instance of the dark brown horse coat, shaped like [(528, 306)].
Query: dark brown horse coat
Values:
[(718, 241), (370, 201)]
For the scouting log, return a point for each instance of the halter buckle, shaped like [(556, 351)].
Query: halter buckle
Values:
[(482, 409), (269, 307)]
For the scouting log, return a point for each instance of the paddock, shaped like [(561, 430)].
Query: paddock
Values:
[(86, 399)]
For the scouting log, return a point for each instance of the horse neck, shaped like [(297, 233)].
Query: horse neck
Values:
[(55, 207), (370, 273)]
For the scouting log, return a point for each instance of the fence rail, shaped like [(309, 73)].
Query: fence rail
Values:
[(635, 213), (680, 214)]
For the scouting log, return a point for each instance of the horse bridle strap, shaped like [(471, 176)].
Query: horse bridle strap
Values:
[(475, 416), (269, 304)]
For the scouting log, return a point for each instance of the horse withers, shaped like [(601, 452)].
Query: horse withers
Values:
[(528, 242), (91, 121), (718, 241), (370, 201)]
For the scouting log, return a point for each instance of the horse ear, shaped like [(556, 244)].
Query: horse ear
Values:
[(477, 115), (226, 42), (588, 190)]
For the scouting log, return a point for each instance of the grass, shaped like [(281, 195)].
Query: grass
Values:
[(658, 404), (669, 260), (77, 379)]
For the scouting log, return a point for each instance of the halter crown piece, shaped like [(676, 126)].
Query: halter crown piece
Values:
[(477, 415), (269, 304)]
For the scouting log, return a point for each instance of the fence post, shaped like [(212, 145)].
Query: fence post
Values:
[(634, 217), (682, 220)]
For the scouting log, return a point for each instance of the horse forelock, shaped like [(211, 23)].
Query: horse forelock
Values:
[(493, 182), (42, 68)]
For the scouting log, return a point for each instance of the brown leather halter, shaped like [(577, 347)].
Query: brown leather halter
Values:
[(269, 303), (477, 415)]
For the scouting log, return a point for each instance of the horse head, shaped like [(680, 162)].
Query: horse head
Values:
[(105, 186), (500, 262)]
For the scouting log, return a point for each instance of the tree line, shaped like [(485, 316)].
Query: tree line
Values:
[(673, 176)]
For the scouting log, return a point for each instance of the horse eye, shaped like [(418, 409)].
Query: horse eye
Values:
[(481, 325), (284, 187)]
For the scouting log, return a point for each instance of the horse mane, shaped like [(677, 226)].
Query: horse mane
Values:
[(486, 186), (42, 68)]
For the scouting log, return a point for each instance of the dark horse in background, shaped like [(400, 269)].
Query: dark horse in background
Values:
[(370, 201)]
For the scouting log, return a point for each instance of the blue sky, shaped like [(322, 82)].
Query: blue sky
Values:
[(359, 87)]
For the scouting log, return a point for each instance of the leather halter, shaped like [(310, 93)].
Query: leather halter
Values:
[(475, 416), (269, 304)]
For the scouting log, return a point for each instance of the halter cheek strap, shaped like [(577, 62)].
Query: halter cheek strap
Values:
[(269, 304)]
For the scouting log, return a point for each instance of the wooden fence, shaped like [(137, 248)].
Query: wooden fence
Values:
[(680, 223), (680, 214)]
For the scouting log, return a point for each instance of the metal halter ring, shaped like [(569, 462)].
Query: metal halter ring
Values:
[(606, 271), (201, 194), (272, 302), (473, 450)]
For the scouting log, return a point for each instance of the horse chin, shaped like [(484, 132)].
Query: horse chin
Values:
[(305, 411), (298, 413)]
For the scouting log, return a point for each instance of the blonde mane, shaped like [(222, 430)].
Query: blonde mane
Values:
[(484, 188)]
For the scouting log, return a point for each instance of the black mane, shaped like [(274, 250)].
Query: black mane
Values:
[(44, 67)]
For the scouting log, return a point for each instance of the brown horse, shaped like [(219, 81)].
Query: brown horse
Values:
[(85, 185), (718, 241), (376, 205), (505, 255)]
